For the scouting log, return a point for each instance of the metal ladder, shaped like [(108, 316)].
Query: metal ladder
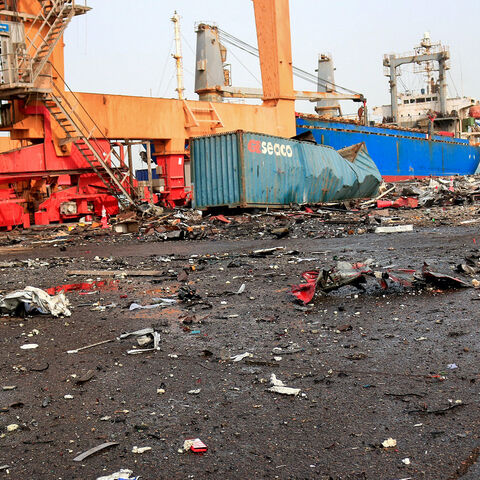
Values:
[(51, 21), (197, 115), (85, 138)]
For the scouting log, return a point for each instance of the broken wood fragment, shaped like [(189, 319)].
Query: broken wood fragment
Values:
[(112, 273)]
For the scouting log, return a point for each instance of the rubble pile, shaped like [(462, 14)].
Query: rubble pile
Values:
[(137, 355), (451, 201), (428, 192)]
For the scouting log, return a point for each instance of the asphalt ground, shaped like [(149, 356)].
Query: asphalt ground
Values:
[(370, 365)]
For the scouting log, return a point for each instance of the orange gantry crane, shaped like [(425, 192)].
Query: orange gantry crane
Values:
[(64, 157)]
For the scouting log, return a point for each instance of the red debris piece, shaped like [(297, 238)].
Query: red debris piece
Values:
[(198, 446), (85, 287), (354, 274), (403, 276), (306, 291), (402, 202), (221, 218)]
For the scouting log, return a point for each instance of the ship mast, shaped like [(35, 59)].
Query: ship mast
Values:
[(427, 45), (423, 58), (178, 55)]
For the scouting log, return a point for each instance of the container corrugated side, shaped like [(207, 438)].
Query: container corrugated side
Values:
[(251, 169), (216, 170)]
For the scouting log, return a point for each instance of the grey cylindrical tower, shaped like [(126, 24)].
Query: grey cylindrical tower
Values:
[(326, 83), (209, 72)]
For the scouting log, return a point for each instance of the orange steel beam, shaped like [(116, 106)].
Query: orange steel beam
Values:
[(272, 19), (164, 120)]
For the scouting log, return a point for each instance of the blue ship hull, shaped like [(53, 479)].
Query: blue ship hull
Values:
[(397, 153)]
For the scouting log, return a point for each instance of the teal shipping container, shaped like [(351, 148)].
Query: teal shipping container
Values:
[(243, 169)]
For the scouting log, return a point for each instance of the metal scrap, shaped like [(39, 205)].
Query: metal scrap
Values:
[(94, 450), (354, 274)]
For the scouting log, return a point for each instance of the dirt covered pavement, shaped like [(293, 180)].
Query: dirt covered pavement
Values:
[(371, 366)]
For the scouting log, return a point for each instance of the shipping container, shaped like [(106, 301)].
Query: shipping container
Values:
[(243, 169)]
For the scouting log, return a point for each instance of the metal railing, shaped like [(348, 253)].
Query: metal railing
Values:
[(15, 69)]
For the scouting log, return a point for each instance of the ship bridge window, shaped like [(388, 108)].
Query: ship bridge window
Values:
[(405, 101), (428, 99), (434, 99), (420, 100)]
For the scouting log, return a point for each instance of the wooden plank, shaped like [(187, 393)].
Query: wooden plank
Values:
[(112, 273)]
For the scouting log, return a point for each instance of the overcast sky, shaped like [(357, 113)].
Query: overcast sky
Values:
[(124, 47)]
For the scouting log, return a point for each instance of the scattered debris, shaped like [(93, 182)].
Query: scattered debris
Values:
[(395, 229), (85, 377), (164, 302), (34, 300), (123, 474), (29, 346), (263, 252), (240, 357), (116, 273), (145, 337), (187, 293), (103, 342), (442, 280), (439, 411), (221, 218), (194, 445), (306, 291), (355, 274), (279, 387), (140, 450), (94, 450), (402, 202), (389, 443), (325, 345)]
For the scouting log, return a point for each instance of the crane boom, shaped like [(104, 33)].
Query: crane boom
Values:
[(272, 19)]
